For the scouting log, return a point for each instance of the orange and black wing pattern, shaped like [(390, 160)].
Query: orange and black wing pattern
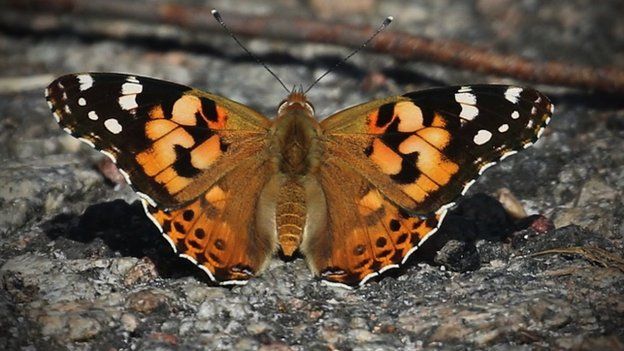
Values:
[(366, 234), (424, 149), (170, 140), (188, 154), (415, 154)]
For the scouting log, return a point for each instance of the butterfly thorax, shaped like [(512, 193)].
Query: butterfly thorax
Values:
[(296, 154), (295, 133)]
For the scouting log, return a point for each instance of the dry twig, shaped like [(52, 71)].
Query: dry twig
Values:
[(593, 254), (46, 15)]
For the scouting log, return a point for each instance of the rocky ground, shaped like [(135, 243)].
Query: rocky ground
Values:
[(81, 268)]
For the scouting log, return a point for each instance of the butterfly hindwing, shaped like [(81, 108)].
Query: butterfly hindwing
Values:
[(366, 233), (218, 230), (170, 140)]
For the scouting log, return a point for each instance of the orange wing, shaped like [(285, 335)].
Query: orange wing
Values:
[(198, 161), (367, 234), (423, 149), (392, 168), (172, 142), (218, 230)]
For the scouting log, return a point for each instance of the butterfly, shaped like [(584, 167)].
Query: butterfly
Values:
[(356, 193)]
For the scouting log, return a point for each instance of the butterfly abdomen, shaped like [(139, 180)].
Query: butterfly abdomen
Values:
[(290, 215), (296, 154)]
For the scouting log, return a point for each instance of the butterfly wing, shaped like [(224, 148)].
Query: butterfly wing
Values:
[(218, 231), (172, 141), (418, 152), (186, 152), (367, 234)]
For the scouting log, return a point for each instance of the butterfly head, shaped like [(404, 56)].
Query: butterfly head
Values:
[(296, 100)]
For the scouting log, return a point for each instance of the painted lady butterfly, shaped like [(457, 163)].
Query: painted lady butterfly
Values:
[(356, 193)]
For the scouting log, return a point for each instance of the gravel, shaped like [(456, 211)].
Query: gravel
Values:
[(81, 268)]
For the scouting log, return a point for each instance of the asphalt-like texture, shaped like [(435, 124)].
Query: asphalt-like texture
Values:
[(82, 268)]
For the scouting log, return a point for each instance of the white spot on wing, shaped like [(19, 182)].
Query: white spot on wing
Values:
[(132, 79), (109, 155), (131, 88), (530, 124), (540, 132), (482, 137), (113, 126), (92, 116), (486, 166), (82, 102), (464, 89), (469, 112), (190, 258), (466, 98), (149, 215), (125, 175), (232, 282), (467, 186), (147, 198), (513, 94), (388, 267), (368, 277), (512, 152), (206, 270), (67, 109), (336, 285), (87, 141), (503, 128), (57, 118), (128, 102), (85, 80), (515, 115)]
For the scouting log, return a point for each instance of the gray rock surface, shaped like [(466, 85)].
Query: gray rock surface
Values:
[(81, 268)]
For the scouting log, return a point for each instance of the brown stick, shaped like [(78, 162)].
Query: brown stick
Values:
[(398, 44)]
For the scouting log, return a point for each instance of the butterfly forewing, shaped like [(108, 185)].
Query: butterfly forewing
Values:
[(172, 141), (423, 149)]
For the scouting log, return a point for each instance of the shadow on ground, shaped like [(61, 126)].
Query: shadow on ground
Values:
[(117, 226)]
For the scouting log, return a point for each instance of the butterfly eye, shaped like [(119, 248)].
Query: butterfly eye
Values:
[(309, 107), (281, 107)]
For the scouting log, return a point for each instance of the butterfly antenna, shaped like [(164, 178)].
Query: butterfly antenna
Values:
[(383, 26), (217, 16)]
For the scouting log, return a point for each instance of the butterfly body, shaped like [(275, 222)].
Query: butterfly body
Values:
[(356, 193), (294, 192)]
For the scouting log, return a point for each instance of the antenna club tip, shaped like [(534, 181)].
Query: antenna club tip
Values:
[(215, 13), (388, 20)]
